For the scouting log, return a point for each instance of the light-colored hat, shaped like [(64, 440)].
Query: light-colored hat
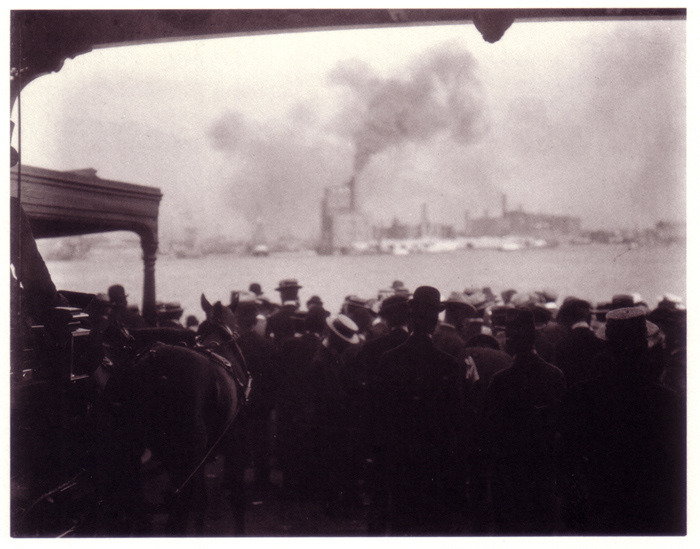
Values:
[(459, 300), (344, 328)]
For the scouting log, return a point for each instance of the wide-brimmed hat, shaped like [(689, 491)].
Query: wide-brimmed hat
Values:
[(288, 284), (356, 301), (521, 299), (519, 316), (458, 300), (574, 309), (629, 325), (541, 314), (393, 303), (548, 295), (671, 301), (344, 328), (427, 296), (621, 301), (498, 315)]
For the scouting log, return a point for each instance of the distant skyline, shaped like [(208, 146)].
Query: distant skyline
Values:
[(568, 118)]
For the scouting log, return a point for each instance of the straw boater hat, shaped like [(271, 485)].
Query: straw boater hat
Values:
[(629, 325), (356, 301), (344, 328)]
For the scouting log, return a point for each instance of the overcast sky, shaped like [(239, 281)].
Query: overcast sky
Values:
[(577, 118)]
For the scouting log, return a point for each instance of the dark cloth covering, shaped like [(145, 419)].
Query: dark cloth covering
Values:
[(294, 384), (337, 396), (254, 422), (518, 437), (281, 323), (448, 339), (39, 292), (622, 458), (420, 401), (488, 362), (553, 331), (577, 355), (544, 347), (371, 353), (128, 317), (368, 361)]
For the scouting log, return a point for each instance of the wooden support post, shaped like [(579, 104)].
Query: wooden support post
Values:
[(150, 249)]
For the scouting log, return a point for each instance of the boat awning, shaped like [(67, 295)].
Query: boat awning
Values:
[(74, 203), (78, 202)]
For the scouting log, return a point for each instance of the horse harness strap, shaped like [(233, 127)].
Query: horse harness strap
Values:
[(246, 384), (217, 359), (240, 376)]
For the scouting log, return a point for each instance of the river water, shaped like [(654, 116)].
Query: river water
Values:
[(595, 272)]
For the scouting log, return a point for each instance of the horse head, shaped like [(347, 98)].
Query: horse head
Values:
[(220, 324)]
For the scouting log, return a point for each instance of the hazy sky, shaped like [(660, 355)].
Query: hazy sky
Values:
[(578, 118)]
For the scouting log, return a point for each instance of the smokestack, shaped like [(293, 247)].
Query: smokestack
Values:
[(504, 199), (424, 220), (351, 187)]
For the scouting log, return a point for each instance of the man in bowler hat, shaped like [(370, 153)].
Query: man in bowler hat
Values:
[(394, 313), (281, 323), (122, 312), (419, 402)]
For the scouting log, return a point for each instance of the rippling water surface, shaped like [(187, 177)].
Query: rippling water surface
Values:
[(593, 272)]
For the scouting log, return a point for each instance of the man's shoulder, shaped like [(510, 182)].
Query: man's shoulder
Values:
[(402, 349), (444, 357), (549, 368)]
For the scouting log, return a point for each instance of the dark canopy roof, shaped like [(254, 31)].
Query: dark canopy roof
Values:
[(41, 40), (74, 203)]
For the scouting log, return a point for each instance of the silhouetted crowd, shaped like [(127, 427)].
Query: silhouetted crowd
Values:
[(474, 414)]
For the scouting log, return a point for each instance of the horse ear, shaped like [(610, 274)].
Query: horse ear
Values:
[(206, 306), (235, 298)]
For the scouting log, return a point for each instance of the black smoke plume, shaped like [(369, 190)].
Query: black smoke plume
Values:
[(278, 170), (439, 94)]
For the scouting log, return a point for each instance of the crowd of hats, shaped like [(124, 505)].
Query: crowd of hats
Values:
[(475, 303)]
